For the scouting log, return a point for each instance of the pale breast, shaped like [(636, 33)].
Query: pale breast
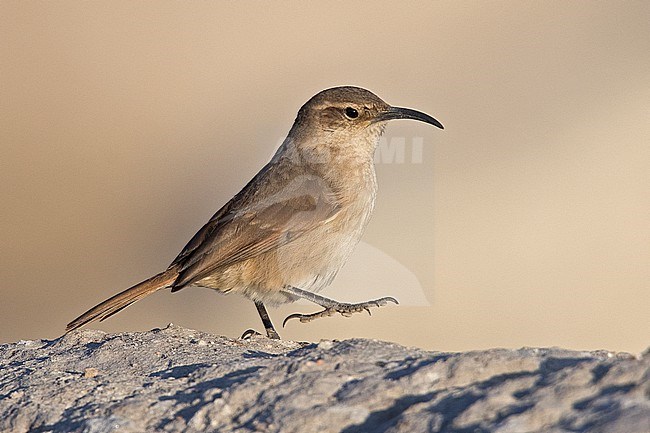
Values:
[(311, 261)]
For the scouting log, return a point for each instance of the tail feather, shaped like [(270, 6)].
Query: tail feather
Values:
[(125, 298)]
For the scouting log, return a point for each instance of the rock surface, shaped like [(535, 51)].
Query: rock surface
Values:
[(180, 380)]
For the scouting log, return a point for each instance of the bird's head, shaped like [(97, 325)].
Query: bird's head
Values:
[(348, 119)]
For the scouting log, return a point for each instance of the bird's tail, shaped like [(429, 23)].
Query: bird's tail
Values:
[(125, 298)]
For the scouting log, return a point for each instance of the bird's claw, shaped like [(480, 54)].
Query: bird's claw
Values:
[(248, 334), (344, 309)]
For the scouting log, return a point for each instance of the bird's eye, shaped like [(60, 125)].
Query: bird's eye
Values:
[(351, 113)]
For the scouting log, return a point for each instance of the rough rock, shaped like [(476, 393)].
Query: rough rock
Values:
[(181, 380)]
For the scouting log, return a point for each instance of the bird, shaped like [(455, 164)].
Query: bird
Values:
[(287, 233)]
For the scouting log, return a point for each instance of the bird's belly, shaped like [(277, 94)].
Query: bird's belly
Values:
[(310, 262)]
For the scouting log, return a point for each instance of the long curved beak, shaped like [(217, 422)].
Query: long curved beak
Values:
[(406, 113)]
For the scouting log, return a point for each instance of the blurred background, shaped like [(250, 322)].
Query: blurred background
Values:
[(125, 125)]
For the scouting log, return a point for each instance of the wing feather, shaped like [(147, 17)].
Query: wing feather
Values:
[(255, 222)]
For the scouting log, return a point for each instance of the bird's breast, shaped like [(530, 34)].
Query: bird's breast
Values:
[(312, 260)]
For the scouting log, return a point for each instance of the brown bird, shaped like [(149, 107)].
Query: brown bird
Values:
[(286, 234)]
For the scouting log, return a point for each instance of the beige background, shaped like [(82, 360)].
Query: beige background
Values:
[(125, 125)]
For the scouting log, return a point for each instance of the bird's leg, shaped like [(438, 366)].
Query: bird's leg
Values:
[(266, 321), (331, 306)]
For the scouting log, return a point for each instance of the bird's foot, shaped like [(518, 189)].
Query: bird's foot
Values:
[(344, 309), (249, 333)]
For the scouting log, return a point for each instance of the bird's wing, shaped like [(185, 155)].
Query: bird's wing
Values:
[(254, 222)]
